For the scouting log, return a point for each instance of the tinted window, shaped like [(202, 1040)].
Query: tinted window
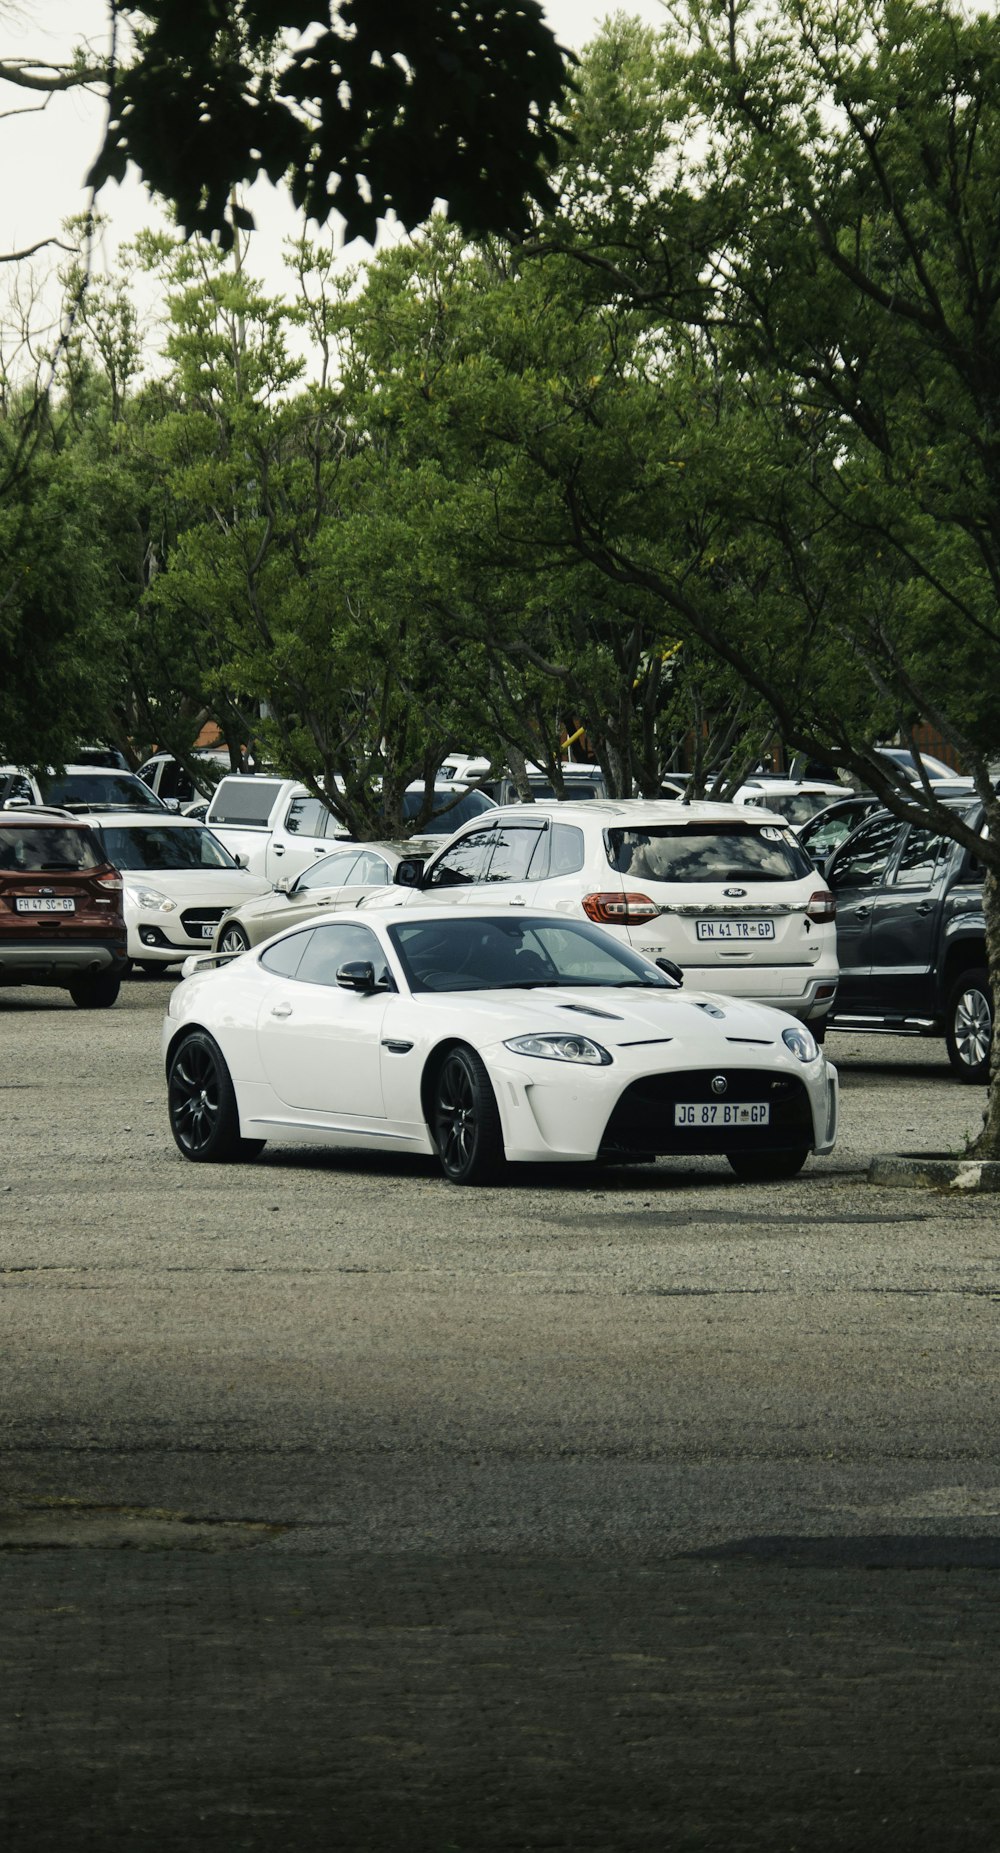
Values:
[(331, 872), (864, 860), (707, 853), (306, 817), (464, 862), (919, 857), (284, 958), (565, 849), (512, 853), (449, 813), (828, 834), (796, 806), (463, 954), (244, 801), (48, 848), (335, 945), (94, 791), (157, 846)]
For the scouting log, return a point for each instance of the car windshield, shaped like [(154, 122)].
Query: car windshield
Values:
[(796, 806), (159, 846), (504, 954), (98, 791), (444, 820), (48, 847), (707, 853)]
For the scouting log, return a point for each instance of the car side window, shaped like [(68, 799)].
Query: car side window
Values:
[(464, 862), (514, 846), (339, 943), (332, 872), (919, 858), (863, 861), (370, 871), (306, 817), (565, 850), (284, 958)]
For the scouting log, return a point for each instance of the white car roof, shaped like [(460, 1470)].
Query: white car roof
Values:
[(138, 820), (634, 812)]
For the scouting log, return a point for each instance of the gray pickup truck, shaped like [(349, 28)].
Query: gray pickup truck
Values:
[(911, 939)]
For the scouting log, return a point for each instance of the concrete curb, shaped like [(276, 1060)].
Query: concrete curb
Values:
[(935, 1171)]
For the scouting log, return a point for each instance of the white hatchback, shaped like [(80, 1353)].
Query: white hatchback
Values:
[(178, 880), (721, 889)]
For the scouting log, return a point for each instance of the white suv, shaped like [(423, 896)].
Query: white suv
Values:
[(723, 890)]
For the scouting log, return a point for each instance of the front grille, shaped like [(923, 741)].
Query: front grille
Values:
[(643, 1120), (194, 918)]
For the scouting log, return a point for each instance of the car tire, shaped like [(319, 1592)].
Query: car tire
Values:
[(98, 991), (768, 1167), (465, 1119), (968, 1026), (201, 1104), (233, 938), (817, 1028), (151, 968)]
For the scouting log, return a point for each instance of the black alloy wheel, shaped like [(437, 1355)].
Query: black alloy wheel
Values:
[(969, 1026), (234, 938), (465, 1120), (768, 1167), (201, 1102)]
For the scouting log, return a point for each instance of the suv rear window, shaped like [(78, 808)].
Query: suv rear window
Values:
[(47, 847), (707, 852), (244, 801)]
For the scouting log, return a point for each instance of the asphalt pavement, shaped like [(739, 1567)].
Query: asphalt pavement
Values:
[(634, 1508)]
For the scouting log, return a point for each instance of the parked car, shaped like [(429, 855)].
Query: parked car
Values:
[(179, 881), (78, 788), (912, 939), (305, 829), (829, 828), (280, 828), (484, 1036), (336, 882), (796, 800), (61, 919), (722, 889), (171, 781)]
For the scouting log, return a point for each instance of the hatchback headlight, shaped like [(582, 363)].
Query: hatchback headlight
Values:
[(801, 1041), (151, 899), (561, 1048)]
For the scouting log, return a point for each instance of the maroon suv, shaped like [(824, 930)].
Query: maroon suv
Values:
[(61, 919)]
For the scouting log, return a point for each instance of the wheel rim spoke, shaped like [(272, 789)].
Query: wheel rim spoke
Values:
[(455, 1119), (973, 1027), (195, 1098)]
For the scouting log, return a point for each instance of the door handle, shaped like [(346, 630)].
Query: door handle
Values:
[(862, 913), (279, 848), (925, 907), (281, 1010)]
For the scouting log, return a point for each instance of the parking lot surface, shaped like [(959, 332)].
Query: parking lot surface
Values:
[(605, 1509)]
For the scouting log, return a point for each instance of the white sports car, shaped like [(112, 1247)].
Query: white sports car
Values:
[(483, 1036)]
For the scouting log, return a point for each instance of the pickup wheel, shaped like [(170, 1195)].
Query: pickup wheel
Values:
[(969, 1026)]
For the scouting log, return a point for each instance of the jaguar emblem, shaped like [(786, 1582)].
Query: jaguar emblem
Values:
[(734, 894), (719, 1084)]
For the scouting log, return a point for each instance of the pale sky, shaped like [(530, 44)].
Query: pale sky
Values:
[(47, 153)]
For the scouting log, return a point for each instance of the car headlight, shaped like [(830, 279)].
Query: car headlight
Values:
[(151, 899), (801, 1041), (561, 1048)]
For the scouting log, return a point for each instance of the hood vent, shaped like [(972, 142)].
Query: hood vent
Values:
[(591, 1010)]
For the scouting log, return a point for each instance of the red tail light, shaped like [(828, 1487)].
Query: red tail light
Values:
[(110, 881), (822, 906), (618, 909)]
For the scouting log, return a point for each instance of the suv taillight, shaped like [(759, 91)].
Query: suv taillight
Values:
[(822, 906), (618, 909), (110, 881)]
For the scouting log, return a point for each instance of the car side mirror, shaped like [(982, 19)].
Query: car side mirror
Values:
[(357, 975), (672, 970), (409, 872), (282, 885)]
